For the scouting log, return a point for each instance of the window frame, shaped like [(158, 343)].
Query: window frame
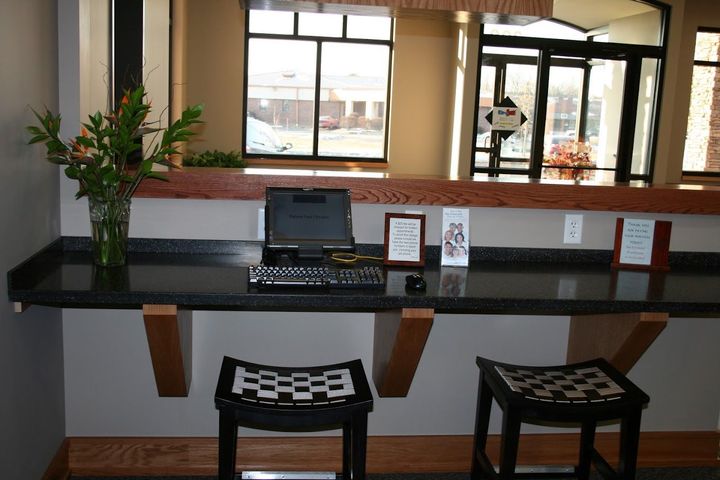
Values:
[(701, 175), (548, 48), (300, 160)]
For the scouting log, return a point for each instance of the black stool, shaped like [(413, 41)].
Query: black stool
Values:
[(288, 398), (583, 393)]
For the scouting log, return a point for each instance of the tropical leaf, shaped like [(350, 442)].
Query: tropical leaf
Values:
[(97, 158)]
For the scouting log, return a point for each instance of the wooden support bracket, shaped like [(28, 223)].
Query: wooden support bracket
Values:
[(400, 337), (169, 334), (620, 338)]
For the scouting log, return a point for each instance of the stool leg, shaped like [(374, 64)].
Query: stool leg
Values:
[(227, 439), (629, 441), (359, 446), (509, 444), (587, 440), (347, 450), (482, 421)]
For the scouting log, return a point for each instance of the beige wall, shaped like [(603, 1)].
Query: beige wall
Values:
[(422, 84), (214, 70), (687, 17)]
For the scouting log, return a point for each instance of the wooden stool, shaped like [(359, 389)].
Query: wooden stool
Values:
[(290, 398), (583, 393)]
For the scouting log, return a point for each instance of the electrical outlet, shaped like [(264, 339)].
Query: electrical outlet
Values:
[(573, 229)]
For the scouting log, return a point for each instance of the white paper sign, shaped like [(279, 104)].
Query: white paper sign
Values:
[(404, 239), (637, 241), (455, 242)]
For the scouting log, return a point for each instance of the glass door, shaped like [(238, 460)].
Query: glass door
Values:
[(587, 117), (505, 76)]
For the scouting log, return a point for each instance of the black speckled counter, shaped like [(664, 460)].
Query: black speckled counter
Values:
[(209, 274), (187, 275)]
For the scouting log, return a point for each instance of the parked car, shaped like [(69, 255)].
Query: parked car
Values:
[(261, 138), (329, 122)]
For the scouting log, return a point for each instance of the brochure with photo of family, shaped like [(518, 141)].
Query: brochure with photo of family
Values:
[(455, 237)]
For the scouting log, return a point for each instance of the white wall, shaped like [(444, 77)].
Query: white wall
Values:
[(110, 388), (111, 391), (31, 374)]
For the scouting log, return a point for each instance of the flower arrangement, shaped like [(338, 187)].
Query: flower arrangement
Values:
[(573, 157), (99, 159)]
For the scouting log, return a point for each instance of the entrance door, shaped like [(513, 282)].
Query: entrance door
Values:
[(581, 113)]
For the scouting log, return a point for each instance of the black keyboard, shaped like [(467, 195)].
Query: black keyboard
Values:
[(263, 276)]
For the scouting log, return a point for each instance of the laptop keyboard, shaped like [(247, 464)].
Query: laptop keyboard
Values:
[(264, 276)]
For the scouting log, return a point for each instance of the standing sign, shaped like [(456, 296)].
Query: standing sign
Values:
[(404, 239), (642, 244), (455, 243)]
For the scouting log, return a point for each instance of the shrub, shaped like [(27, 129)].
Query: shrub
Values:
[(216, 159)]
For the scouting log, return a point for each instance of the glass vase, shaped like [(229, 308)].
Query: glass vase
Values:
[(109, 223)]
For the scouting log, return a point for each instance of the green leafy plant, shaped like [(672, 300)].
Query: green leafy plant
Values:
[(215, 158), (98, 157)]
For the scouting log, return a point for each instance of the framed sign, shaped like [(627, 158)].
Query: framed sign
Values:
[(642, 244), (404, 239)]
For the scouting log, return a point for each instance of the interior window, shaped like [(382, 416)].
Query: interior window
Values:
[(317, 86), (588, 94), (702, 140)]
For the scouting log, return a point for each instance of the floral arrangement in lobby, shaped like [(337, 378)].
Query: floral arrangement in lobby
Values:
[(573, 156), (100, 160)]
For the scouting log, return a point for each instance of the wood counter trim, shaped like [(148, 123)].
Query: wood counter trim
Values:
[(619, 338), (392, 190), (154, 456), (169, 335), (400, 337)]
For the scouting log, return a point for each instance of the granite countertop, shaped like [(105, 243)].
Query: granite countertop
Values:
[(211, 274)]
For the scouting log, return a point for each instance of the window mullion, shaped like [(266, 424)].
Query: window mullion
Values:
[(626, 136), (541, 99), (584, 103), (316, 107)]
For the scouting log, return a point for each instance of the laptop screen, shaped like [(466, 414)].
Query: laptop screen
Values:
[(308, 221)]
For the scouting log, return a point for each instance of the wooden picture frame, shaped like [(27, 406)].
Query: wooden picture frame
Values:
[(653, 247), (404, 239)]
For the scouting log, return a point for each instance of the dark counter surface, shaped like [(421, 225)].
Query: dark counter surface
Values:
[(207, 274)]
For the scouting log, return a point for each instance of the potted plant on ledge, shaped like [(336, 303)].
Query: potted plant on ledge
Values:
[(99, 157)]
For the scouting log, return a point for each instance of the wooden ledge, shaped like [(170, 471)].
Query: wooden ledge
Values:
[(250, 184)]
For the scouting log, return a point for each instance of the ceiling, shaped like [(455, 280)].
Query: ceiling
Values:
[(591, 14)]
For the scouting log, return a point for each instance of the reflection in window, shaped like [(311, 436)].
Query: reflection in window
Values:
[(317, 86), (702, 141)]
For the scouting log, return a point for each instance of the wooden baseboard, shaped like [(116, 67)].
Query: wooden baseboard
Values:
[(59, 468), (113, 456)]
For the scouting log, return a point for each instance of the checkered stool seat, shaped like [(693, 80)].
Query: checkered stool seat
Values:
[(583, 393), (294, 398)]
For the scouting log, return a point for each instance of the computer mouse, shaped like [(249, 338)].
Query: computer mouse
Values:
[(415, 281)]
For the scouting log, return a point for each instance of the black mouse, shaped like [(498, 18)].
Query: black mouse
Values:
[(415, 281)]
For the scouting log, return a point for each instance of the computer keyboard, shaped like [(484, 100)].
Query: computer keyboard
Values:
[(264, 276)]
